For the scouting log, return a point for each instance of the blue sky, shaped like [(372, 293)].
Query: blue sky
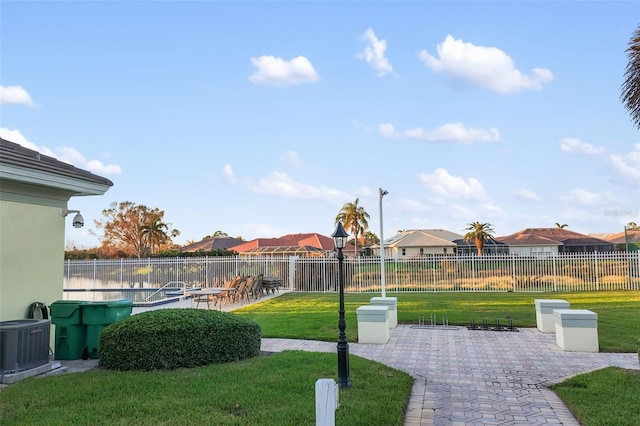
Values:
[(263, 118)]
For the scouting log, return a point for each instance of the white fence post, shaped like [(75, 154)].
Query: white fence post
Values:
[(292, 271), (326, 402)]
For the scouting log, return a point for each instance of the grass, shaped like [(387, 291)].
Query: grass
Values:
[(276, 389), (279, 389), (610, 396), (314, 316)]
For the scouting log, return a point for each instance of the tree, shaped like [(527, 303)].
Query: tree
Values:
[(155, 233), (630, 91), (370, 238), (561, 226), (134, 230), (355, 219), (479, 233)]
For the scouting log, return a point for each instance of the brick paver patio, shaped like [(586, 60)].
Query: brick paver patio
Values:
[(465, 377)]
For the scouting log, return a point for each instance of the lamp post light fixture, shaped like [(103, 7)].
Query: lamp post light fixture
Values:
[(344, 381), (382, 277)]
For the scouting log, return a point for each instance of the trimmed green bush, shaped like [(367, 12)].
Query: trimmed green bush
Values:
[(167, 339)]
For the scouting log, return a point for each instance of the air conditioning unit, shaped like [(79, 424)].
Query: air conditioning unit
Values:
[(24, 344)]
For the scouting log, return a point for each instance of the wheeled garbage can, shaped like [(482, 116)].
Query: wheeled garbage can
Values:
[(70, 334), (97, 315)]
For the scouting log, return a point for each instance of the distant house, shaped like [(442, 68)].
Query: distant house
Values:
[(629, 239), (491, 246), (34, 193), (211, 244), (419, 242), (304, 245), (550, 241)]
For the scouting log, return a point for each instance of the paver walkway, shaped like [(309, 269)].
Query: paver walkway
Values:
[(464, 377)]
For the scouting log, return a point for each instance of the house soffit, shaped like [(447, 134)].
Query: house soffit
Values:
[(44, 179)]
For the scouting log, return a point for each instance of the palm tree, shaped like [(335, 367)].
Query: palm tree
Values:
[(561, 226), (155, 232), (479, 233), (630, 91), (370, 238), (354, 218)]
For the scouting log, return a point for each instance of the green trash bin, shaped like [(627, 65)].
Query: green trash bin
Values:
[(97, 315), (70, 334)]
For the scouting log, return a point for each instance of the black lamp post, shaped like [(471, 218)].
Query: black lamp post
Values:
[(344, 381)]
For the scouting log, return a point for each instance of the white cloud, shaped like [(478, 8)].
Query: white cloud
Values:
[(449, 132), (388, 130), (583, 197), (627, 166), (17, 137), (526, 194), (487, 67), (443, 184), (65, 154), (576, 146), (15, 95), (280, 184), (71, 155), (291, 157), (491, 207), (374, 53), (227, 171), (407, 205), (274, 71)]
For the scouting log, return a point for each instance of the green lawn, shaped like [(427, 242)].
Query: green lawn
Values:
[(277, 389), (610, 396), (314, 316)]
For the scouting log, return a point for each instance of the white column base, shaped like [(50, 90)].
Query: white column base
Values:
[(575, 339), (373, 332)]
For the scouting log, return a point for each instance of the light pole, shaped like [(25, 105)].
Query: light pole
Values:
[(626, 249), (382, 282), (344, 381), (626, 239)]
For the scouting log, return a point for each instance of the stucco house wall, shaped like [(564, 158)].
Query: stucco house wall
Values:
[(397, 252), (418, 242), (33, 189), (32, 262)]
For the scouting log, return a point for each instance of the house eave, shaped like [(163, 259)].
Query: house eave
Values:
[(74, 186)]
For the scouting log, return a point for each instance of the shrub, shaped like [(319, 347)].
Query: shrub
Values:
[(166, 339)]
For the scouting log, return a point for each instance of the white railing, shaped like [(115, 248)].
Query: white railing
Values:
[(501, 272)]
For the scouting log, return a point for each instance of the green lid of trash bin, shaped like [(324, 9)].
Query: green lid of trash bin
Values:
[(106, 312), (68, 310)]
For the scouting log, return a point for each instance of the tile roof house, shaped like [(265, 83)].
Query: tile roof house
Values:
[(551, 241), (34, 192), (211, 244), (419, 242), (305, 245), (620, 239)]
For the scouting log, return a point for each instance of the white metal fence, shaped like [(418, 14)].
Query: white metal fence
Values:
[(502, 272)]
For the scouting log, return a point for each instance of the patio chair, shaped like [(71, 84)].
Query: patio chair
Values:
[(243, 288), (233, 283), (255, 290)]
